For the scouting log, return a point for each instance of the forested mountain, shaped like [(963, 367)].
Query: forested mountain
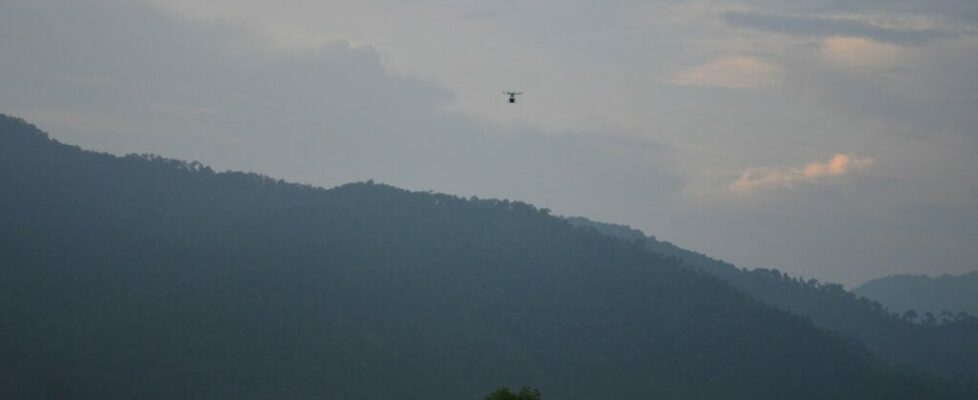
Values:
[(948, 347), (943, 297), (139, 277)]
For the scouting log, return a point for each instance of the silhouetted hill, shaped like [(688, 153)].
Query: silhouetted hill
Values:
[(949, 349), (940, 296), (139, 277)]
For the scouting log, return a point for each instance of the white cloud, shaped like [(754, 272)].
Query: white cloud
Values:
[(758, 178), (861, 52), (733, 72)]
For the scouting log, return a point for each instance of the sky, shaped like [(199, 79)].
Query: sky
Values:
[(830, 139)]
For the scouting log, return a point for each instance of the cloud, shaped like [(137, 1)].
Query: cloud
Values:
[(734, 72), (822, 27), (840, 164), (861, 52)]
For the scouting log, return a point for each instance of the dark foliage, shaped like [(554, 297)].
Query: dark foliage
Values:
[(503, 393), (145, 278), (948, 347)]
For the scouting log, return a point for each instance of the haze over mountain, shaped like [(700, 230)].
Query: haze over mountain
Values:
[(923, 294), (150, 278)]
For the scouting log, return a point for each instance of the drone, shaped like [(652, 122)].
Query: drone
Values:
[(512, 96)]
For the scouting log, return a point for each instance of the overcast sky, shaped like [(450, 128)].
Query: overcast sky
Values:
[(829, 139)]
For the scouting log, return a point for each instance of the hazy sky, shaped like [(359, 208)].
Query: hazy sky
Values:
[(829, 139)]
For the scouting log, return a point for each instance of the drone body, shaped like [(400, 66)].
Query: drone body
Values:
[(512, 96)]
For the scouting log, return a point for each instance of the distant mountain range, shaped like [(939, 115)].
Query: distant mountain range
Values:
[(141, 277), (943, 296), (948, 346)]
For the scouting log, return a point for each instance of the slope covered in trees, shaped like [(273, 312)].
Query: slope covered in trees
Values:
[(141, 277), (943, 297), (949, 348)]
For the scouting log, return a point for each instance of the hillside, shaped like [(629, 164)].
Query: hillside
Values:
[(142, 277), (949, 349), (939, 295)]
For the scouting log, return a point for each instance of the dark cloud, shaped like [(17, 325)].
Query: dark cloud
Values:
[(820, 27), (965, 11)]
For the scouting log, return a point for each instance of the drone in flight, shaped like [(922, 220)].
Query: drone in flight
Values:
[(512, 96)]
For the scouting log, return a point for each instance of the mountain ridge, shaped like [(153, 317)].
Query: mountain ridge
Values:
[(144, 277)]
